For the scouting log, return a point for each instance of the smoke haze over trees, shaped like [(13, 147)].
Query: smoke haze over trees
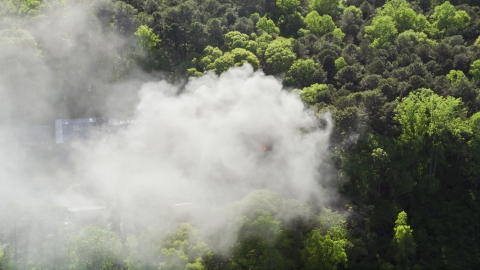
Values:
[(225, 134)]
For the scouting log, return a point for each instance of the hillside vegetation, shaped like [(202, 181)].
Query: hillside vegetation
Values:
[(401, 79)]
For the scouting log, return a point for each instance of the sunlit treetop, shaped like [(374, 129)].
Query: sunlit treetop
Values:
[(446, 17), (325, 7), (267, 26), (147, 38), (319, 25), (287, 6), (381, 32), (403, 15)]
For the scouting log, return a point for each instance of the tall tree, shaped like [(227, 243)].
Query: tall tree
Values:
[(267, 25), (149, 42), (325, 251), (428, 120), (446, 17), (381, 32), (304, 73), (97, 248), (319, 25), (403, 242), (279, 56), (183, 249), (325, 7)]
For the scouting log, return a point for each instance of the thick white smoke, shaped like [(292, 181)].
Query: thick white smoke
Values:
[(210, 142), (221, 138)]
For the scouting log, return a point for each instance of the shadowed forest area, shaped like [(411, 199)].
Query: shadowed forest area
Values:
[(400, 78)]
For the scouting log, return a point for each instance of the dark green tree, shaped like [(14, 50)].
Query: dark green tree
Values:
[(303, 73)]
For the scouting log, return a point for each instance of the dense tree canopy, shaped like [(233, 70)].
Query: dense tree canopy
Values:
[(400, 78)]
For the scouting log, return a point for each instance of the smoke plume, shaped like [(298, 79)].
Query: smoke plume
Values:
[(209, 142)]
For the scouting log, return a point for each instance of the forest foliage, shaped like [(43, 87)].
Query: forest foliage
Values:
[(402, 80)]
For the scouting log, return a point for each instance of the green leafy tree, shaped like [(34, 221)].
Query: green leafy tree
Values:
[(477, 43), (235, 39), (134, 260), (290, 24), (474, 149), (143, 251), (197, 265), (183, 249), (411, 38), (5, 259), (35, 237), (466, 90), (262, 43), (319, 25), (403, 242), (216, 31), (325, 251), (304, 73), (287, 6), (211, 54), (380, 164), (351, 54), (425, 113), (236, 57), (19, 38), (251, 6), (430, 121), (351, 20), (149, 44), (267, 25), (446, 17), (32, 7), (325, 7), (455, 75), (475, 70), (148, 40), (97, 248), (328, 219), (193, 72), (124, 14), (279, 56), (350, 75), (260, 240), (8, 8), (259, 245), (244, 25), (381, 32), (316, 93), (405, 18), (197, 36), (339, 34), (340, 63)]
